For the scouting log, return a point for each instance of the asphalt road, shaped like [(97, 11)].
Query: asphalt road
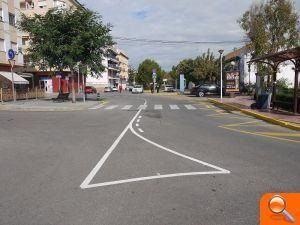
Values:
[(142, 159)]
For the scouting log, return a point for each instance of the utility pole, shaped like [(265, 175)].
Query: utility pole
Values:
[(221, 51)]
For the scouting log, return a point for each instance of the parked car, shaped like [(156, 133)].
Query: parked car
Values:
[(114, 89), (205, 89), (138, 89), (129, 88), (169, 88), (107, 89), (90, 90)]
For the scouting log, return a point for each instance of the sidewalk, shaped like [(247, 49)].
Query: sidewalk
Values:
[(46, 105), (243, 103)]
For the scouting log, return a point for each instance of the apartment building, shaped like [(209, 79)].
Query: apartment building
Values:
[(10, 38), (43, 79), (116, 71), (123, 66)]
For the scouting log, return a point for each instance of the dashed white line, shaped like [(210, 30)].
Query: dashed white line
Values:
[(137, 125), (140, 130), (138, 120), (140, 117)]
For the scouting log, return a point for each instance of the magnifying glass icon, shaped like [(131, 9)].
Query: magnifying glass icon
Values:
[(277, 205)]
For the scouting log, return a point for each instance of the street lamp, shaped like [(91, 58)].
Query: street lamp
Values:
[(221, 51)]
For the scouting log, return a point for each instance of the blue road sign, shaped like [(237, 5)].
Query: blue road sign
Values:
[(11, 54), (153, 76)]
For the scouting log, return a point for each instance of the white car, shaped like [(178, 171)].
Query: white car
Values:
[(138, 89), (168, 88), (114, 89)]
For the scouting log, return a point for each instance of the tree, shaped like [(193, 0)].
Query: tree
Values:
[(144, 75), (271, 26), (65, 39)]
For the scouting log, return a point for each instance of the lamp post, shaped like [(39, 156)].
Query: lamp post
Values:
[(221, 51)]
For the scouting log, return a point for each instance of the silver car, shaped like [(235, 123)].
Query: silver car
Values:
[(138, 89)]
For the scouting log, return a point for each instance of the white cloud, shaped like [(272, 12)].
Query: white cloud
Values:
[(193, 20)]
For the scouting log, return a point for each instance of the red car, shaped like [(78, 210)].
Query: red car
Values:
[(90, 90)]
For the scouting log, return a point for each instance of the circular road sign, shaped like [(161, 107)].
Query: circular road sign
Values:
[(11, 54)]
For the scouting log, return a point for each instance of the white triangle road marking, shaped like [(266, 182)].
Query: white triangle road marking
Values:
[(87, 181)]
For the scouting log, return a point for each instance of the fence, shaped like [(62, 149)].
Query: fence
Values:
[(7, 95)]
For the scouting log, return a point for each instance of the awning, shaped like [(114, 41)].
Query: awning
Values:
[(26, 75), (17, 79)]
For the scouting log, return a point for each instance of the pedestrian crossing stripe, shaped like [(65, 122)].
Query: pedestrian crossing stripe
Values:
[(144, 107), (190, 107), (127, 107), (111, 107), (174, 107), (158, 107)]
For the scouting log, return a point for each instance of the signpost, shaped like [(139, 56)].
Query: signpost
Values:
[(182, 83), (11, 56), (154, 77)]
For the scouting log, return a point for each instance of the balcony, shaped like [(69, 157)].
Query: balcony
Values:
[(113, 67)]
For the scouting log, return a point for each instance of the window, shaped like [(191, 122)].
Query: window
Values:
[(42, 4), (14, 46), (1, 15), (2, 45), (12, 19)]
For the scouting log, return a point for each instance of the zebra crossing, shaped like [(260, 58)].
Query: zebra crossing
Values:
[(157, 107)]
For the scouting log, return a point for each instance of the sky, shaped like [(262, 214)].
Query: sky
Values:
[(173, 20)]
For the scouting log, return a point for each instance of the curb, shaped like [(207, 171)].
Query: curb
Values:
[(268, 119)]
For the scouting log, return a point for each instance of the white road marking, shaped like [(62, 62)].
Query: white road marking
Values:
[(140, 130), (97, 107), (138, 120), (86, 183), (126, 107), (173, 107), (140, 117), (190, 107), (88, 179), (141, 107), (111, 107), (137, 125), (158, 107)]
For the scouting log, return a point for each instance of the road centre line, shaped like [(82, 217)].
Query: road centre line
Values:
[(137, 125), (138, 120), (140, 130)]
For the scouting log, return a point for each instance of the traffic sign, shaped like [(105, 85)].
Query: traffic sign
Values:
[(11, 54), (66, 78), (153, 76)]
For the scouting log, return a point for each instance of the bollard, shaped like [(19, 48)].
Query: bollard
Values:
[(98, 96), (36, 94), (1, 93)]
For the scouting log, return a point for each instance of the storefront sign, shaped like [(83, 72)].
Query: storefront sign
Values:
[(233, 81)]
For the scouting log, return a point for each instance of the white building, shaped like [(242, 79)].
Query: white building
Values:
[(238, 60), (111, 76)]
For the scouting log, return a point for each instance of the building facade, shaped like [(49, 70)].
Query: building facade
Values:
[(44, 79), (10, 37), (115, 73), (237, 61)]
